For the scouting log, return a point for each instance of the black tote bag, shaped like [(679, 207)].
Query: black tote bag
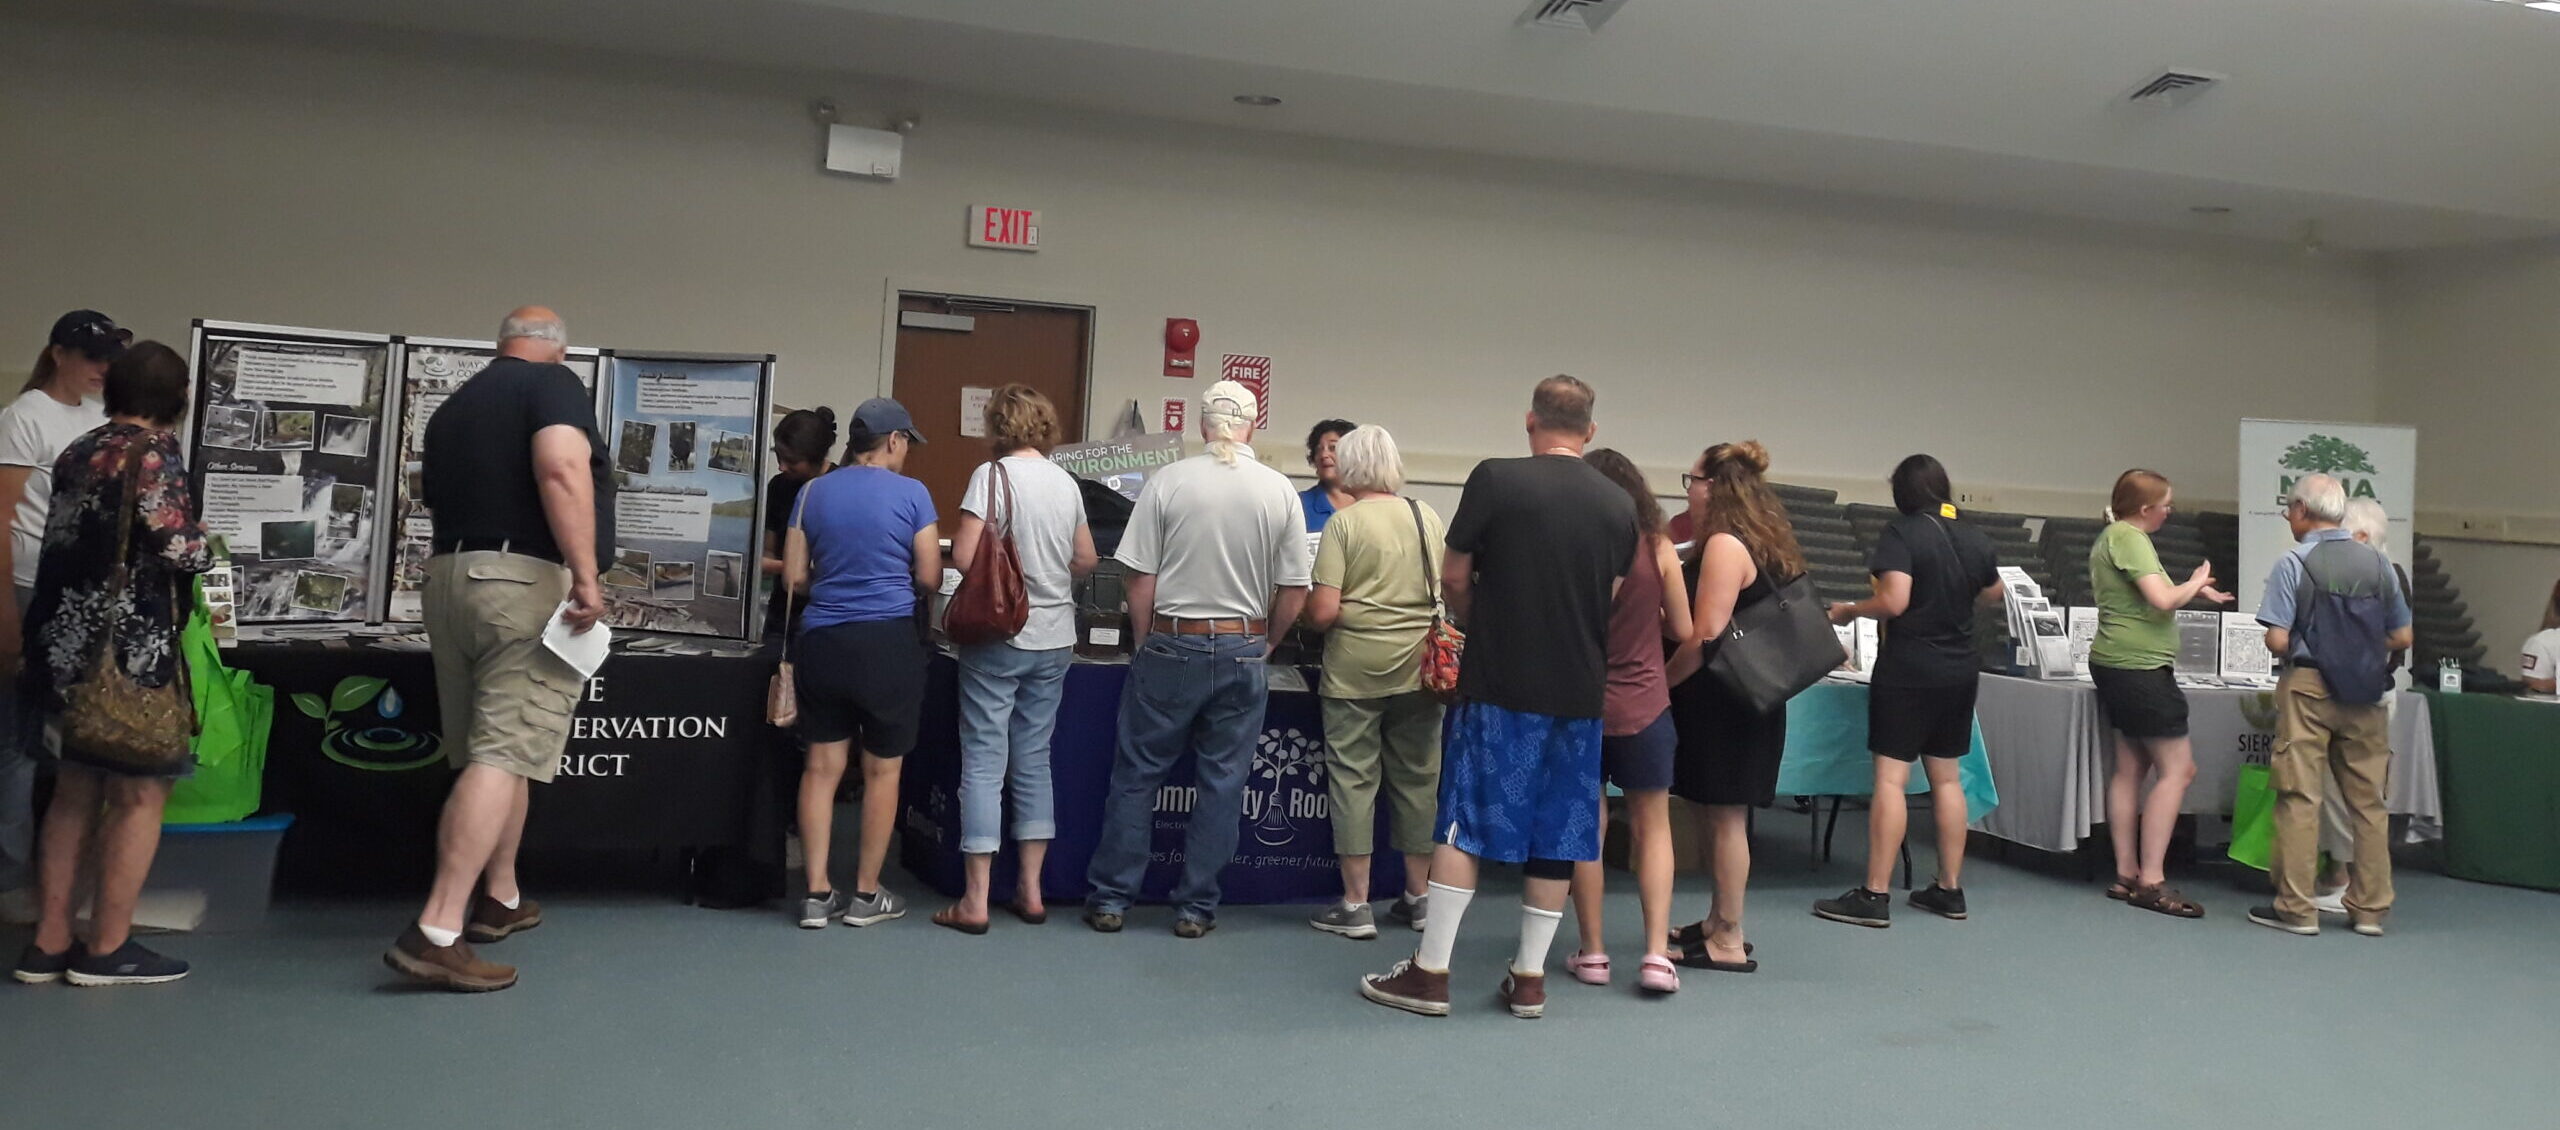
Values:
[(1776, 647)]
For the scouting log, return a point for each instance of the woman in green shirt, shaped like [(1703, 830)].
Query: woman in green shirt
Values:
[(1375, 585), (2131, 662)]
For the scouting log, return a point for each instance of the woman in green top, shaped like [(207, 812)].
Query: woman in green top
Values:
[(1374, 591), (2131, 662)]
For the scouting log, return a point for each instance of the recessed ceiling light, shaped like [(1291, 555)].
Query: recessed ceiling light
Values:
[(2209, 209), (1257, 100)]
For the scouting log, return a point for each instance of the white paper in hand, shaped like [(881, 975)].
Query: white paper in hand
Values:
[(582, 650)]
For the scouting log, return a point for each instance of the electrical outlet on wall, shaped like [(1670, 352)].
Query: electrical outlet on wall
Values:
[(1976, 498)]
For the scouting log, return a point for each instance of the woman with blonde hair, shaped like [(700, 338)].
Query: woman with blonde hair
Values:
[(2131, 661), (1376, 582), (1010, 689), (1729, 752)]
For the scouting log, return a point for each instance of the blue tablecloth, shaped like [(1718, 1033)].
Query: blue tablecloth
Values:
[(1827, 751)]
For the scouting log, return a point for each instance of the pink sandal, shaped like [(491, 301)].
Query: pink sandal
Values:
[(1589, 968), (1657, 975)]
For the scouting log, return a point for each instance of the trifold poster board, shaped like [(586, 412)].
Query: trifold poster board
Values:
[(288, 461), (430, 369), (2376, 461), (688, 447)]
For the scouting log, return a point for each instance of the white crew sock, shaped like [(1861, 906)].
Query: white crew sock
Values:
[(437, 937), (1440, 931), (513, 903), (1537, 934)]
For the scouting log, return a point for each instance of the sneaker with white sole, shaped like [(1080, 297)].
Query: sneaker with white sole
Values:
[(2268, 917), (881, 906), (36, 967), (1349, 921), (822, 907), (130, 964), (1412, 910), (2331, 902)]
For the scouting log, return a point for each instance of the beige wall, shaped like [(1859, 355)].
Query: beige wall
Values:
[(422, 188), (2471, 348)]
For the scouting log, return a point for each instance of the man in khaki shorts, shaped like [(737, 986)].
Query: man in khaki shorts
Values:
[(516, 480)]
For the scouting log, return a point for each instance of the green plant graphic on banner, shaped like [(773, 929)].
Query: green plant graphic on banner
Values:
[(2326, 455), (362, 728)]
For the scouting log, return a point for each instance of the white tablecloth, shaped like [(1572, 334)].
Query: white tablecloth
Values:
[(2050, 753)]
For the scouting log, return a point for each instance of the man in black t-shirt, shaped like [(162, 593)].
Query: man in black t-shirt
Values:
[(516, 479), (1930, 572), (1535, 556)]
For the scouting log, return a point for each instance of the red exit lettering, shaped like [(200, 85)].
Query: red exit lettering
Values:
[(1015, 229)]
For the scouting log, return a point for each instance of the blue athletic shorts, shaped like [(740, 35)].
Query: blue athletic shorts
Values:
[(1516, 787)]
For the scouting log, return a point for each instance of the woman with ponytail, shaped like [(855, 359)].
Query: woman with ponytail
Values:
[(1729, 753)]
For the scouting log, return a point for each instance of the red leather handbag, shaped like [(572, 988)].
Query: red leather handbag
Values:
[(991, 604)]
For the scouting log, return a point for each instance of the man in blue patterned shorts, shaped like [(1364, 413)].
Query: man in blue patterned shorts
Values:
[(1535, 556)]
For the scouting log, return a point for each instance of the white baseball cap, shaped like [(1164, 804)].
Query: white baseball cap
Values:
[(1240, 397)]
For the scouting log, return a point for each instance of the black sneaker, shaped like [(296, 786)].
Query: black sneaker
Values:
[(36, 967), (130, 964), (1940, 901), (2267, 916), (1858, 906)]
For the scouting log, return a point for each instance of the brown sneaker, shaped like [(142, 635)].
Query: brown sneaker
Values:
[(491, 920), (1526, 993), (454, 967), (1410, 987)]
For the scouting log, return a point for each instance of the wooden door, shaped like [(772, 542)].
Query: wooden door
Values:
[(1004, 343)]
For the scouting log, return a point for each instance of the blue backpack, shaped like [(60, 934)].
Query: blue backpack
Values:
[(2342, 616)]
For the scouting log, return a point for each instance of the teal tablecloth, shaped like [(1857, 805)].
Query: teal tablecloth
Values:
[(1827, 751)]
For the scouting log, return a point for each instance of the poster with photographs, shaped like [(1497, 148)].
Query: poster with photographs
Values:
[(284, 435), (687, 452), (430, 369)]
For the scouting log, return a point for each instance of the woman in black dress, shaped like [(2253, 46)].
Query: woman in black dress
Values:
[(1729, 752)]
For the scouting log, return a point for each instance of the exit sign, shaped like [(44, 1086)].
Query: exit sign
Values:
[(1010, 229)]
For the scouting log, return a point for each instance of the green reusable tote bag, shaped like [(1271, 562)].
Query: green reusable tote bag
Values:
[(233, 712), (2253, 817)]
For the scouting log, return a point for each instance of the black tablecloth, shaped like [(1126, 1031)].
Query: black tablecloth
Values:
[(669, 751)]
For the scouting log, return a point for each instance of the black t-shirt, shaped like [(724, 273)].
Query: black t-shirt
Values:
[(1950, 563), (1551, 537), (781, 494), (479, 457)]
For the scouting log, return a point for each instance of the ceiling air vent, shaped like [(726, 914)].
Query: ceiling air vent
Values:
[(1571, 15), (2170, 89)]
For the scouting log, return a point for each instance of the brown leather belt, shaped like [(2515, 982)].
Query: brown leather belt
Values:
[(1174, 625)]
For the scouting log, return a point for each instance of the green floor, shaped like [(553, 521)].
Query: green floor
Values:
[(2052, 1007)]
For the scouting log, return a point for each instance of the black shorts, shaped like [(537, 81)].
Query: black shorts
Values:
[(2141, 704), (1641, 762), (862, 683), (1909, 723)]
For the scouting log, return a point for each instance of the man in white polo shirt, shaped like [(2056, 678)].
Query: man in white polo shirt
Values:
[(1218, 568)]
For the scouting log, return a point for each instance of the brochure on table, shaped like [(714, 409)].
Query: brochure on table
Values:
[(2082, 621), (2245, 658), (2199, 645), (430, 369), (286, 451), (688, 452)]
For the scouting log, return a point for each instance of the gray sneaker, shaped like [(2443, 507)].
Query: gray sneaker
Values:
[(1347, 921), (819, 909), (1411, 910), (882, 906)]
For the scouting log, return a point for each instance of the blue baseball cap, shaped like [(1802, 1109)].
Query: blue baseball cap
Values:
[(881, 416)]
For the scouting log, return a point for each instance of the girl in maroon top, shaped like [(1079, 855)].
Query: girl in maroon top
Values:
[(1637, 743)]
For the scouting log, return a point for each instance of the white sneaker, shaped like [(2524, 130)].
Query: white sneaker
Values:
[(2331, 902), (19, 907)]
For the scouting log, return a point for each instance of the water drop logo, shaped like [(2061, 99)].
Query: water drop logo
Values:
[(362, 728)]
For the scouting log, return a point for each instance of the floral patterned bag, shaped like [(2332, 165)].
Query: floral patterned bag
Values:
[(109, 716), (1444, 645)]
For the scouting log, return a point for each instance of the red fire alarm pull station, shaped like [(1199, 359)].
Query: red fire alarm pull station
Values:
[(1181, 344)]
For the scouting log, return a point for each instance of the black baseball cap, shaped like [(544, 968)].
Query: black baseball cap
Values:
[(91, 334), (881, 416)]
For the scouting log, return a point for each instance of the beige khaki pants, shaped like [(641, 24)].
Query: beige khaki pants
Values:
[(506, 700), (2322, 744)]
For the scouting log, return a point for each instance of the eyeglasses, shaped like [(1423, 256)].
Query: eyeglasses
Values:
[(1690, 478)]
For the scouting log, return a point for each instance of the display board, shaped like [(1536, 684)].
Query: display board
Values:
[(430, 369), (2376, 461), (687, 439), (287, 447), (1124, 464)]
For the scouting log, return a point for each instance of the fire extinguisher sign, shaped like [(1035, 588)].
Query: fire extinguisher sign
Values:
[(1253, 373)]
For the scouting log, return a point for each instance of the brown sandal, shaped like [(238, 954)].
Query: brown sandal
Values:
[(2124, 888), (949, 918), (2163, 899)]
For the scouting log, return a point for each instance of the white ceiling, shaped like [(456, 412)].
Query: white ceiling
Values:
[(2394, 123)]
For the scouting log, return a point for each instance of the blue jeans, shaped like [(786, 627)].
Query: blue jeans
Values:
[(1202, 695), (1008, 707)]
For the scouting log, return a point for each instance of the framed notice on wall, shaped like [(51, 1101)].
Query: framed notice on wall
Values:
[(687, 443), (287, 447), (430, 369)]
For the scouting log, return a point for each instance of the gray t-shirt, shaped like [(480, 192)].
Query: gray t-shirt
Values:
[(1045, 510), (1218, 537)]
